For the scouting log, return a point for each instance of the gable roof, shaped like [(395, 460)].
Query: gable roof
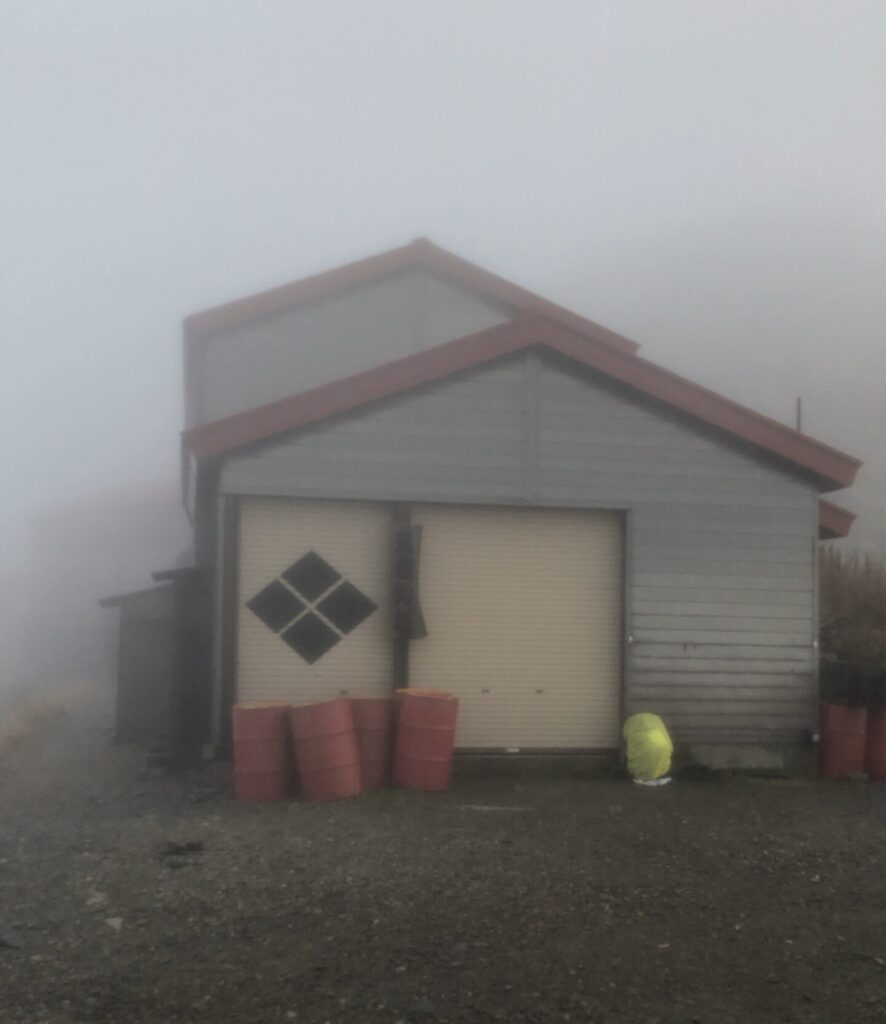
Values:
[(834, 469), (419, 253)]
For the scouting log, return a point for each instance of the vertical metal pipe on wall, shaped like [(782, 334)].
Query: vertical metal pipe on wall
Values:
[(218, 622), (627, 628), (816, 602), (400, 520)]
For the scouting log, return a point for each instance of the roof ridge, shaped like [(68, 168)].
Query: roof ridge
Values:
[(419, 252)]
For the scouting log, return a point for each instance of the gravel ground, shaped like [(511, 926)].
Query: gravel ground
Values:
[(590, 901)]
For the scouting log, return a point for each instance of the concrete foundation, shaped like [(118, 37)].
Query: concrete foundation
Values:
[(799, 759)]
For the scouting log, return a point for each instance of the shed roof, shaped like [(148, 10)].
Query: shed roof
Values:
[(833, 469), (833, 521), (133, 597)]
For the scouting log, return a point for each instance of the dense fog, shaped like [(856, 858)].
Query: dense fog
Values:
[(704, 177)]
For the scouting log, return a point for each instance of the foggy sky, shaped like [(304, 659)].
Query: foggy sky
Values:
[(706, 178)]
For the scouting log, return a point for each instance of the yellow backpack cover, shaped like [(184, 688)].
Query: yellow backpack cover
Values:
[(649, 747)]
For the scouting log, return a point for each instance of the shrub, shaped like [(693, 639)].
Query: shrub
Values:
[(852, 595)]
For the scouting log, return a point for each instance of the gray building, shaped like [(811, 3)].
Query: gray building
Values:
[(598, 535)]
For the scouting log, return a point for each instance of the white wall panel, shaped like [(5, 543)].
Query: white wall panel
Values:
[(352, 538)]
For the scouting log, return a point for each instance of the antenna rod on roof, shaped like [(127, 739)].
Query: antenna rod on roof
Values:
[(799, 412)]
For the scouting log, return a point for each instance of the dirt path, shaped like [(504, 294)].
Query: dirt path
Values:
[(583, 901)]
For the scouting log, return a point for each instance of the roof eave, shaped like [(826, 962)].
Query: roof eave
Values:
[(832, 469), (834, 522)]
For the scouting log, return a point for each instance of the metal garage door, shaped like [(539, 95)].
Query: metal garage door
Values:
[(523, 610), (314, 620)]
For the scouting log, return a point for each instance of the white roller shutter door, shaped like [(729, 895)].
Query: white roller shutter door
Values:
[(523, 609)]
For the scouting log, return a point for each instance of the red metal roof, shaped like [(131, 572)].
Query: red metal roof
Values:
[(833, 521), (833, 468), (420, 253)]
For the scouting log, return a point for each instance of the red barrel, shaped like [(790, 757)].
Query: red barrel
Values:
[(326, 750), (262, 753), (875, 748), (425, 739), (373, 720), (844, 731)]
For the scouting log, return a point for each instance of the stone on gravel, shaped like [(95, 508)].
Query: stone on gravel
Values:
[(422, 1007), (176, 864), (492, 807), (170, 849)]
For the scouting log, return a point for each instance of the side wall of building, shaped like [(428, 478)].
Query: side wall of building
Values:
[(720, 612), (318, 342)]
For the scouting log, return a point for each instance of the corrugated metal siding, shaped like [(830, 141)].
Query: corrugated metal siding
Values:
[(355, 540), (721, 542), (523, 609), (721, 610), (463, 441), (282, 355)]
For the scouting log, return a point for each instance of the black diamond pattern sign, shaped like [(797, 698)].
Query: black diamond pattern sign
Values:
[(346, 607), (276, 605), (310, 576), (311, 607), (310, 637)]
